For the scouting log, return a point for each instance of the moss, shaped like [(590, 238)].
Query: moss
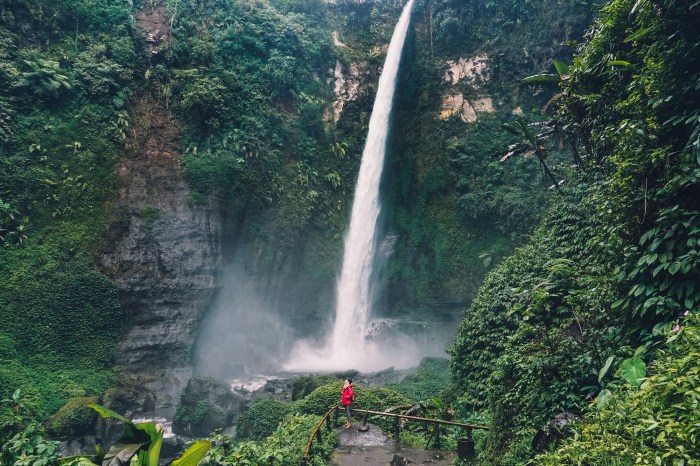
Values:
[(74, 419), (430, 380)]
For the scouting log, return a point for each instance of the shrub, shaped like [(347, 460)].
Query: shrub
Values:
[(429, 380), (305, 384), (657, 423), (261, 419), (284, 447)]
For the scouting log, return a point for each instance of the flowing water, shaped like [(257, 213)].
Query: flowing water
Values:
[(346, 346)]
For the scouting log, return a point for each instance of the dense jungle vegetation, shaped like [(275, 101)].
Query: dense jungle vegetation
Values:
[(66, 70), (594, 315), (607, 284)]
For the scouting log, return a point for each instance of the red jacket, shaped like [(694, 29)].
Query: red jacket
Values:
[(348, 396)]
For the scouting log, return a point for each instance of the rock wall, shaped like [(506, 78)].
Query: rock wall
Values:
[(166, 253), (163, 250)]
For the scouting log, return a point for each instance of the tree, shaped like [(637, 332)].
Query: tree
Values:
[(532, 145)]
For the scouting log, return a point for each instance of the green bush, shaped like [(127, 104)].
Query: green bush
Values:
[(656, 423), (261, 419), (430, 379), (612, 261), (285, 446), (305, 384)]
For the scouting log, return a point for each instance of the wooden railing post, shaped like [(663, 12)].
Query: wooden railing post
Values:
[(397, 427), (437, 435)]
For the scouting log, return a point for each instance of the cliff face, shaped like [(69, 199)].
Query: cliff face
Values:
[(166, 252)]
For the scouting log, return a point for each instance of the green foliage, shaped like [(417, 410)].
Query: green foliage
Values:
[(304, 384), (285, 446), (656, 423), (60, 279), (73, 420), (248, 79), (140, 445), (43, 78), (29, 448), (429, 380), (455, 209), (196, 416), (633, 370), (666, 272), (611, 264), (61, 65), (13, 228), (261, 419)]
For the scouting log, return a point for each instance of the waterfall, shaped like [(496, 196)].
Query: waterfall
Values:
[(354, 288), (346, 345)]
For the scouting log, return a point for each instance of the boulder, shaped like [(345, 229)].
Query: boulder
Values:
[(206, 404), (73, 420)]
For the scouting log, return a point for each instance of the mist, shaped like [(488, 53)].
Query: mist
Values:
[(242, 333)]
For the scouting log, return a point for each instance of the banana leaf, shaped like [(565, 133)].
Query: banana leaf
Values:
[(563, 69), (194, 454), (544, 78)]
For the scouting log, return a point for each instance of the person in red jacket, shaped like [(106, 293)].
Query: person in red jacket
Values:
[(346, 400)]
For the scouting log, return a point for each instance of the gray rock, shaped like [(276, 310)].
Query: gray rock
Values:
[(399, 460), (206, 405), (162, 251), (371, 437), (78, 446), (554, 431)]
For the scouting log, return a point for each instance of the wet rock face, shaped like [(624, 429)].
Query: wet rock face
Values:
[(347, 82), (163, 252), (206, 405)]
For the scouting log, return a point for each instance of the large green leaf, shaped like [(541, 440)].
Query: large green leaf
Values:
[(639, 34), (132, 433), (194, 454), (622, 64), (605, 368), (121, 454), (546, 78), (151, 456), (602, 398), (108, 413), (562, 68), (633, 370)]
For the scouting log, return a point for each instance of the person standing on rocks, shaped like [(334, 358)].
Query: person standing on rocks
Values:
[(346, 400)]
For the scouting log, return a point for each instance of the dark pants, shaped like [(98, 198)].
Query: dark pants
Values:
[(347, 413)]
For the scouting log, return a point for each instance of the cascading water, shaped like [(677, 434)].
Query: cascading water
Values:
[(346, 345)]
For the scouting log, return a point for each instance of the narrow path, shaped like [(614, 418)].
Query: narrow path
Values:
[(375, 448)]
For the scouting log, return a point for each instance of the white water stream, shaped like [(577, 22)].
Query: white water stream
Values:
[(346, 347)]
